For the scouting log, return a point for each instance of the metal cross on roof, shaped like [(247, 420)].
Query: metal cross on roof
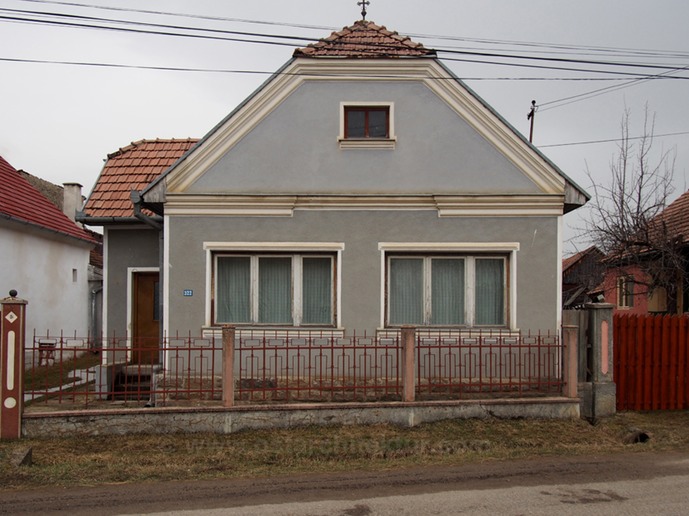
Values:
[(363, 5)]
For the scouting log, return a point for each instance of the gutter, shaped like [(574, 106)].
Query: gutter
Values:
[(155, 221)]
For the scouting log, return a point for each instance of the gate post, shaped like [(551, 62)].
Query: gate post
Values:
[(408, 337), (570, 336), (599, 394), (228, 335), (12, 365)]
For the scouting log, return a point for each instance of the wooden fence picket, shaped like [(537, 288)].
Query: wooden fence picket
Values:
[(651, 359)]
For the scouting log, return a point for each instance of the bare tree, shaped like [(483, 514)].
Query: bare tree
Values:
[(627, 219)]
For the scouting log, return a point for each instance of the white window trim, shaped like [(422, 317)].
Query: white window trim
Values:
[(368, 143), (509, 248), (289, 248)]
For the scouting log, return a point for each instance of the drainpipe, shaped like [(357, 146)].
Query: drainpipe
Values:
[(94, 313), (156, 222)]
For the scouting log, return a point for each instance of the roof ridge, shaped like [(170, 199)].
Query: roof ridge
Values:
[(137, 143), (364, 38)]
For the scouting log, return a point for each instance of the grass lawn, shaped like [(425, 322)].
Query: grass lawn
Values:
[(259, 453)]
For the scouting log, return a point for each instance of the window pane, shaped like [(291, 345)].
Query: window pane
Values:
[(447, 291), (356, 123), (233, 296), (275, 290), (316, 291), (490, 295), (378, 123), (406, 291)]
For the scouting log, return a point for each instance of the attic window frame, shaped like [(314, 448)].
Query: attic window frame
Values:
[(367, 142)]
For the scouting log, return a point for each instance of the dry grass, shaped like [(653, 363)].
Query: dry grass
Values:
[(98, 460)]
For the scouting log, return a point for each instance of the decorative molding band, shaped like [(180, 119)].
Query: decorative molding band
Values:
[(274, 246), (445, 205), (463, 247)]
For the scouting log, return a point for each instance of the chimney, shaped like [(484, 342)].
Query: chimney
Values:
[(72, 200)]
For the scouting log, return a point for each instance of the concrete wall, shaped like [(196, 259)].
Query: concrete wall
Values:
[(538, 303), (125, 248), (40, 266), (295, 149), (227, 421)]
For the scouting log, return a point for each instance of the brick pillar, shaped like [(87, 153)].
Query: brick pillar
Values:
[(228, 335), (408, 369), (599, 394), (12, 366)]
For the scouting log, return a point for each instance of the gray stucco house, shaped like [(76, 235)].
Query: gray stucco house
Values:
[(362, 187)]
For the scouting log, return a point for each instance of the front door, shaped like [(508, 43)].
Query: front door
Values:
[(145, 318)]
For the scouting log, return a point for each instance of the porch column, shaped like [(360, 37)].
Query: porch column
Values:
[(12, 365)]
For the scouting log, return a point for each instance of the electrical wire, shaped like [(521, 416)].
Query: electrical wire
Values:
[(611, 140)]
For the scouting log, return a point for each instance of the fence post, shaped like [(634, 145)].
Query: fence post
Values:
[(599, 395), (12, 366), (408, 336), (228, 335), (570, 337)]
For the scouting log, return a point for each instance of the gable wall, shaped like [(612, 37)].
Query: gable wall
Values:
[(295, 149)]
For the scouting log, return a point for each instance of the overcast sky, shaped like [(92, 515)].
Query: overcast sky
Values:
[(59, 121)]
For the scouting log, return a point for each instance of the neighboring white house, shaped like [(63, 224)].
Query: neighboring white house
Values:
[(44, 257)]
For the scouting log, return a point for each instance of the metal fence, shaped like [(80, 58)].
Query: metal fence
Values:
[(280, 367)]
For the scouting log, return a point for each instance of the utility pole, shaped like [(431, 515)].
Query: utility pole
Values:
[(531, 116)]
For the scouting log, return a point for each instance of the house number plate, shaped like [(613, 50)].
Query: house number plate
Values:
[(188, 293)]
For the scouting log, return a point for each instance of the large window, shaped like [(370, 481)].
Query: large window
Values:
[(274, 289), (447, 290)]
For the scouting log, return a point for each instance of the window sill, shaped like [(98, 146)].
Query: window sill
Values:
[(367, 143)]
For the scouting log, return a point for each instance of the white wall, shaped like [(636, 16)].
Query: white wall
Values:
[(39, 265)]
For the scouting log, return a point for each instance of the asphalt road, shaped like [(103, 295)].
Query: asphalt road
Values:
[(630, 483)]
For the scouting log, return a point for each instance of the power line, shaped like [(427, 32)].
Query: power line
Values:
[(493, 55), (574, 48), (611, 140)]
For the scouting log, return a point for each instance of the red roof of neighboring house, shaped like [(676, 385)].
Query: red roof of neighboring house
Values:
[(364, 39), (21, 202), (132, 168), (575, 258), (676, 217)]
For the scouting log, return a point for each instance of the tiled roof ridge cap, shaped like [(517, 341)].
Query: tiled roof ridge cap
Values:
[(361, 26), (143, 141)]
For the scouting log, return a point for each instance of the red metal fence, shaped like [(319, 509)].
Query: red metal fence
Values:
[(650, 355), (269, 366)]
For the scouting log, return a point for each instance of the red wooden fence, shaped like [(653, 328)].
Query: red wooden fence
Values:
[(650, 355)]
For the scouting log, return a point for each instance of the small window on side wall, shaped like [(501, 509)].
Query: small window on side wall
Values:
[(367, 125)]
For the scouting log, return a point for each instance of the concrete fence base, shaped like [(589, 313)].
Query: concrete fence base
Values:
[(220, 420)]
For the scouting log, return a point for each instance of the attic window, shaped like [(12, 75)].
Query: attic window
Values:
[(366, 125)]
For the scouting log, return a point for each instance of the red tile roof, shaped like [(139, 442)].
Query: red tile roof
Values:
[(676, 217), (364, 39), (21, 202), (575, 258), (132, 168)]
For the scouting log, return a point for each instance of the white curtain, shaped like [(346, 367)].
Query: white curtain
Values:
[(233, 289), (406, 291), (490, 291), (275, 290), (316, 291), (447, 291)]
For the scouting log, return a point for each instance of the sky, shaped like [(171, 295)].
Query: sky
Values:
[(60, 121)]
